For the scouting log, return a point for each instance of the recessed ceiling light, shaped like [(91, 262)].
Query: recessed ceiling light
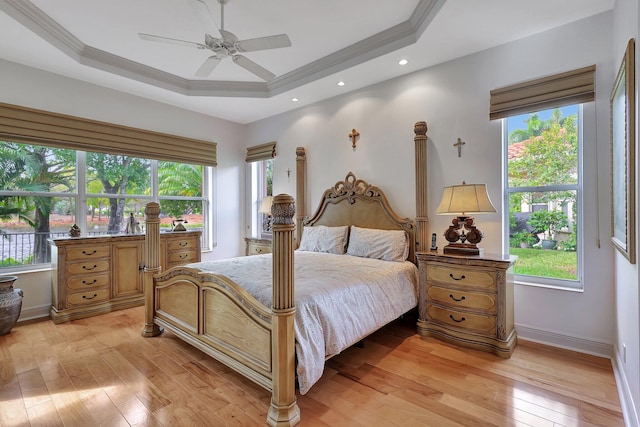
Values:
[(341, 83), (294, 100), (403, 62)]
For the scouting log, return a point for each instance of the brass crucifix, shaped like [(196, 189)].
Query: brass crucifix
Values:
[(459, 145), (354, 135)]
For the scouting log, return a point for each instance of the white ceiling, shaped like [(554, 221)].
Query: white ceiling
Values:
[(356, 41)]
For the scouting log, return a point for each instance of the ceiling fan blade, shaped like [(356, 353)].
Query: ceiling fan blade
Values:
[(208, 66), (228, 36), (254, 68), (152, 38), (203, 12), (263, 43)]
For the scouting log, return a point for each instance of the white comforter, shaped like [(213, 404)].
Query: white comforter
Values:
[(340, 299)]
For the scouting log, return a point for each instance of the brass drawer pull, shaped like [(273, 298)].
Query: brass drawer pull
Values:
[(259, 250), (456, 299), (456, 320), (86, 297), (183, 256), (84, 282), (456, 278), (89, 253), (183, 244), (84, 267)]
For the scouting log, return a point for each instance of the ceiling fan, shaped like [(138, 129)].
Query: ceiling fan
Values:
[(226, 45)]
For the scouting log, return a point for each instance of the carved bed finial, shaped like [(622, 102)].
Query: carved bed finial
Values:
[(420, 128), (300, 153), (152, 210), (352, 186), (283, 209)]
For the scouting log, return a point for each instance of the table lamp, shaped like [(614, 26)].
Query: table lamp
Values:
[(463, 200), (265, 209)]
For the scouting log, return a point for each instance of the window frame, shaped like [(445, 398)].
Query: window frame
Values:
[(539, 281), (80, 196)]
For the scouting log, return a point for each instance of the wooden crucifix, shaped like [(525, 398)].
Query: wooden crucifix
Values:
[(354, 135), (459, 145)]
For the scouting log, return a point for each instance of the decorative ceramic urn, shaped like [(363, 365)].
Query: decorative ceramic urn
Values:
[(10, 303)]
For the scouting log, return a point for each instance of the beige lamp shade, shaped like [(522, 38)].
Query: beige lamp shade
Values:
[(265, 205), (465, 199)]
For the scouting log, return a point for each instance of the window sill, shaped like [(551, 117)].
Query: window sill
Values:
[(549, 286)]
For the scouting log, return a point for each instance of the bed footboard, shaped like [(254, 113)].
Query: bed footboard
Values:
[(217, 316), (213, 314)]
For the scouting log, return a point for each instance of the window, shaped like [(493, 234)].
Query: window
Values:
[(40, 198), (543, 192), (262, 190), (260, 161)]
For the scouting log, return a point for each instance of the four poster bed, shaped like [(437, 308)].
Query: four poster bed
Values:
[(354, 272)]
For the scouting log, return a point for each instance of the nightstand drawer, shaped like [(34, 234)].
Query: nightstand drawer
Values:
[(88, 282), (257, 249), (484, 324), (461, 276), (463, 299)]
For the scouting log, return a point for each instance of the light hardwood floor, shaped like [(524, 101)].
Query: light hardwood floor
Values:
[(101, 372)]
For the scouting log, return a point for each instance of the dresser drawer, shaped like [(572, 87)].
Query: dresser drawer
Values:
[(461, 276), (257, 249), (182, 257), (180, 244), (484, 324), (88, 252), (88, 282), (88, 297), (96, 266), (467, 300)]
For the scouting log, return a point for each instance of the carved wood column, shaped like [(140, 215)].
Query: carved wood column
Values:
[(422, 235), (151, 266), (284, 410), (301, 176)]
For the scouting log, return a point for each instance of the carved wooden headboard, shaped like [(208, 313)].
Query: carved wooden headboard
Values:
[(356, 202)]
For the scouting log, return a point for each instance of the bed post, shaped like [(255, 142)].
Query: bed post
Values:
[(422, 236), (284, 409), (151, 266), (301, 176)]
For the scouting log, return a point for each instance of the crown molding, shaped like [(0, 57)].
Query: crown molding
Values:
[(396, 37)]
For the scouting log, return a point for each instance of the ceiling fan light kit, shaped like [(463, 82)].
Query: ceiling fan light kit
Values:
[(227, 45)]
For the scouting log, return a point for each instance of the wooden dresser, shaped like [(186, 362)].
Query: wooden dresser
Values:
[(95, 275), (468, 301), (257, 246)]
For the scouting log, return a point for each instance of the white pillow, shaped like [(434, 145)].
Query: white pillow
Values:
[(388, 245), (324, 239)]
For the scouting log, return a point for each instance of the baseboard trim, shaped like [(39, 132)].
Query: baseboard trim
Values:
[(555, 339), (31, 313), (629, 411)]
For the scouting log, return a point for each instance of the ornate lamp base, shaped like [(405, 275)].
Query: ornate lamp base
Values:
[(464, 230), (462, 249)]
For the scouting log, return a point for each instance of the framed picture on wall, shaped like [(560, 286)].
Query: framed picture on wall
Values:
[(623, 156)]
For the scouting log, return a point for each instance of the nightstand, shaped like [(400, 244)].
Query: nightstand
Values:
[(468, 301), (257, 246)]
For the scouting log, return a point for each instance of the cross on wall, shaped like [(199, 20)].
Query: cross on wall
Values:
[(459, 145)]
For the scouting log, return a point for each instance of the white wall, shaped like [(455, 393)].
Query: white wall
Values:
[(454, 100), (33, 88), (626, 19)]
